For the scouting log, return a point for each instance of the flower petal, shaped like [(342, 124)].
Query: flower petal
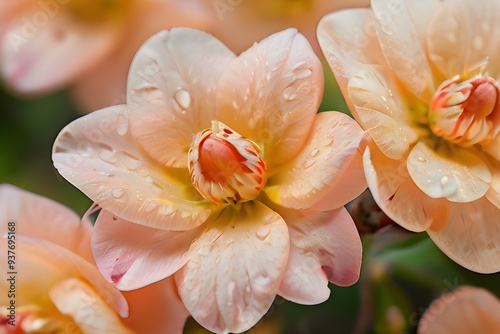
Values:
[(156, 308), (465, 310), (471, 236), (442, 170), (463, 34), (325, 246), (347, 41), (132, 256), (44, 264), (235, 268), (46, 56), (75, 298), (398, 196), (276, 103), (41, 218), (401, 46), (171, 91), (330, 161), (97, 153)]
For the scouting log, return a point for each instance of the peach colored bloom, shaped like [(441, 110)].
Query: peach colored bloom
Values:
[(242, 23), (465, 310), (219, 171), (426, 89), (48, 44), (58, 288)]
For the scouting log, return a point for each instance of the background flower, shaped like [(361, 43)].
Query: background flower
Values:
[(464, 310), (58, 287), (231, 184), (428, 95), (47, 45)]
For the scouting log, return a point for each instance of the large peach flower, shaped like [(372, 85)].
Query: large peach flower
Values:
[(462, 311), (241, 23), (426, 89), (54, 284), (219, 170), (46, 45)]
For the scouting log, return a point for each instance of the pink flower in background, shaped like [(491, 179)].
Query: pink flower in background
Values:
[(219, 171), (58, 287), (426, 89), (241, 23), (47, 45), (465, 310)]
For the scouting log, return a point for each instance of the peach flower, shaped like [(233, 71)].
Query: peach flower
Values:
[(219, 171), (241, 23), (48, 44), (55, 284), (426, 89), (465, 310)]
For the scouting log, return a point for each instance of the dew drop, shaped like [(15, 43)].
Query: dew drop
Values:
[(449, 185), (289, 94), (122, 125), (309, 163), (305, 73), (263, 233), (143, 172), (421, 159), (268, 76), (151, 206), (386, 30), (117, 193), (183, 98), (130, 161), (107, 156), (314, 152)]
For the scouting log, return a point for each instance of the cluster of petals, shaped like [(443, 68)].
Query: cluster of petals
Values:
[(464, 310), (47, 45), (219, 171), (53, 285), (422, 78)]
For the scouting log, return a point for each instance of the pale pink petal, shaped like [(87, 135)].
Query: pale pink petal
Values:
[(375, 97), (38, 217), (132, 255), (347, 39), (156, 309), (76, 299), (42, 52), (317, 174), (493, 147), (98, 154), (398, 196), (463, 311), (325, 246), (105, 84), (401, 46), (471, 237), (235, 268), (171, 91), (44, 264), (493, 194), (447, 171), (463, 34), (276, 103)]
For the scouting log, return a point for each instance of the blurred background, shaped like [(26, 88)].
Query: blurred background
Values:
[(402, 272)]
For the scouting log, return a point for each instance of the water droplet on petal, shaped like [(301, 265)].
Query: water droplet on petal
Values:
[(183, 98), (117, 193), (151, 206), (263, 233), (130, 161), (268, 76), (421, 159), (122, 125), (314, 152), (107, 156), (289, 94), (387, 30)]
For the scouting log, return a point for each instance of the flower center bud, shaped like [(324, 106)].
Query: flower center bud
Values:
[(225, 167), (466, 112)]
